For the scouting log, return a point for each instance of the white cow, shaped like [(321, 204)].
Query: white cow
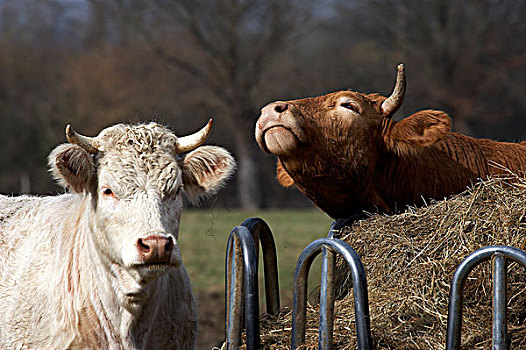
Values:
[(100, 267)]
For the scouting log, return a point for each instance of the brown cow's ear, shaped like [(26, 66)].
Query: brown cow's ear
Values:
[(423, 128), (283, 177), (205, 171), (72, 167)]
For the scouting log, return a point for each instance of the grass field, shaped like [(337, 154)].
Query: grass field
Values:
[(204, 233)]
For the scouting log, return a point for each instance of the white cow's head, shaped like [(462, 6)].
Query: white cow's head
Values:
[(134, 178)]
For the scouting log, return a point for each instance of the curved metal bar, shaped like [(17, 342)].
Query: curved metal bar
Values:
[(500, 326), (261, 231), (327, 298), (361, 304), (327, 292), (454, 320), (244, 252), (234, 292), (327, 288)]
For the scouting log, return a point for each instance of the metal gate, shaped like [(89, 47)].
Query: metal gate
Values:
[(241, 281), (498, 254), (242, 290)]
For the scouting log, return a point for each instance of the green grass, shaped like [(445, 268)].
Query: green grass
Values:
[(204, 233)]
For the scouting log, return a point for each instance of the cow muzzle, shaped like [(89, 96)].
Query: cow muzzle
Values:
[(278, 131), (155, 250)]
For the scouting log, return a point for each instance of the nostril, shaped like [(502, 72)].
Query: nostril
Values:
[(169, 245), (281, 107), (142, 245)]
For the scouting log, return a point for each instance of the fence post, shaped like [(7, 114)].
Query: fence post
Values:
[(241, 278), (328, 265), (261, 231), (454, 320), (241, 259), (361, 304)]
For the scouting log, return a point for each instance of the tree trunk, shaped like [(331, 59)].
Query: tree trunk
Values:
[(248, 181)]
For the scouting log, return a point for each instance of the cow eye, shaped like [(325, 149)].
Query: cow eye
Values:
[(107, 191), (351, 106)]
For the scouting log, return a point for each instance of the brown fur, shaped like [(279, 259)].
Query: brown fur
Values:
[(283, 177), (351, 161)]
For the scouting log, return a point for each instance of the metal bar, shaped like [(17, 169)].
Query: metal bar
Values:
[(327, 294), (500, 327), (454, 321), (327, 288), (241, 249), (233, 297), (361, 304), (251, 289), (328, 264), (260, 228)]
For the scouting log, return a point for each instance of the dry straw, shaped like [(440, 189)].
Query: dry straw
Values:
[(409, 261)]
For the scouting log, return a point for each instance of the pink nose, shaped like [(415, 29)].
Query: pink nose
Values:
[(155, 249), (279, 107), (271, 114)]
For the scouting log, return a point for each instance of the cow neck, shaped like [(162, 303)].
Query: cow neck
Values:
[(413, 176), (390, 178), (83, 284), (338, 192), (399, 174), (96, 287)]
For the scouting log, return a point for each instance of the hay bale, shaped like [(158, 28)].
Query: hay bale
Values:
[(409, 261)]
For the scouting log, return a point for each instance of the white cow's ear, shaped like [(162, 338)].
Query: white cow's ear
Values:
[(205, 171), (72, 167)]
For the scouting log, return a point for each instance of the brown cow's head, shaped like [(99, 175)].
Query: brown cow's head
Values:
[(328, 146)]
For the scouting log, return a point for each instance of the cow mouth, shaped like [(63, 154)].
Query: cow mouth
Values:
[(147, 272), (154, 265), (278, 140), (279, 129)]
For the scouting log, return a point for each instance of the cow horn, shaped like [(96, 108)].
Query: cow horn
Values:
[(88, 143), (393, 102), (188, 143)]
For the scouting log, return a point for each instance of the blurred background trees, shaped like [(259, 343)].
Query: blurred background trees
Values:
[(92, 63)]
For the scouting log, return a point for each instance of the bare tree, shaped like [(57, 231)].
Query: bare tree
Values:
[(30, 95), (226, 46)]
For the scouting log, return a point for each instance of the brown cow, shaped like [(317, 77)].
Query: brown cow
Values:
[(345, 153)]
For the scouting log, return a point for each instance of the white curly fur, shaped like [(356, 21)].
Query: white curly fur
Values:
[(67, 275)]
